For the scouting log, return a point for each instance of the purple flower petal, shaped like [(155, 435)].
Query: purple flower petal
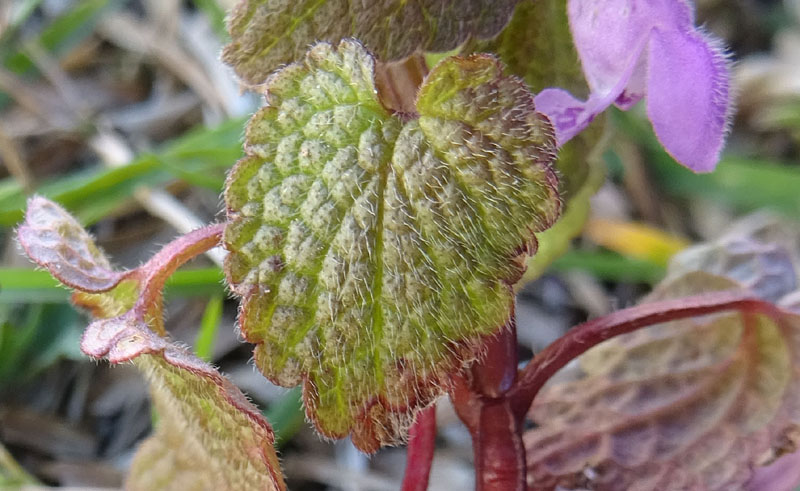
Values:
[(630, 49), (688, 97), (609, 36), (781, 475)]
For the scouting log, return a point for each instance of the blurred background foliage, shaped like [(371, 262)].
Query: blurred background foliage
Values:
[(121, 111)]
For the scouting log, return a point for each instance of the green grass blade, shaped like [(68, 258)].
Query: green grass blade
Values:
[(61, 35), (204, 344), (202, 156), (216, 17), (20, 285), (610, 266), (286, 416)]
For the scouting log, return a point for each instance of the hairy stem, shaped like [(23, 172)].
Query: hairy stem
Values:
[(419, 456), (584, 336), (160, 267)]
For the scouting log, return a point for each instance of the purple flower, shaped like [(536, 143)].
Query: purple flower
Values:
[(630, 49)]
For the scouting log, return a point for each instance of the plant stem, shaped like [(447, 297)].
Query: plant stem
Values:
[(481, 402), (419, 456), (498, 448), (496, 373), (398, 82), (154, 274), (492, 401), (589, 334)]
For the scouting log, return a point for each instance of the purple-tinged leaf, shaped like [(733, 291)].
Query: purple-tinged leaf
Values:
[(56, 241), (268, 33), (694, 404), (209, 436), (781, 475), (631, 49)]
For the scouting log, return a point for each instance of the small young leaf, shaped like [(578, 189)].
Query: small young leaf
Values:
[(52, 238), (373, 255), (270, 33), (693, 404), (210, 436)]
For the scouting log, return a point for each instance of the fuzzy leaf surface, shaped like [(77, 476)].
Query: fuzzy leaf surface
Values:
[(696, 404), (268, 33), (210, 436), (372, 253), (52, 238), (537, 46)]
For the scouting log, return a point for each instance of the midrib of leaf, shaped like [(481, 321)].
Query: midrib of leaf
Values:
[(290, 30), (710, 385), (723, 369), (437, 267)]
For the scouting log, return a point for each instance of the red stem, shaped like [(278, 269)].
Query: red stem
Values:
[(584, 336), (153, 274), (493, 404), (480, 401), (496, 373), (498, 448), (175, 254), (419, 456)]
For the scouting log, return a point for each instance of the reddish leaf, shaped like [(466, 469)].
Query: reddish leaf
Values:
[(690, 405), (208, 435), (268, 33), (52, 238)]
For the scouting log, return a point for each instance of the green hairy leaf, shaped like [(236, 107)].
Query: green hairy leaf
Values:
[(374, 254), (268, 33), (697, 404), (209, 436)]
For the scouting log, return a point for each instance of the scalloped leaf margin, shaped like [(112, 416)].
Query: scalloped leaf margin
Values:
[(374, 254), (209, 436), (268, 33)]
